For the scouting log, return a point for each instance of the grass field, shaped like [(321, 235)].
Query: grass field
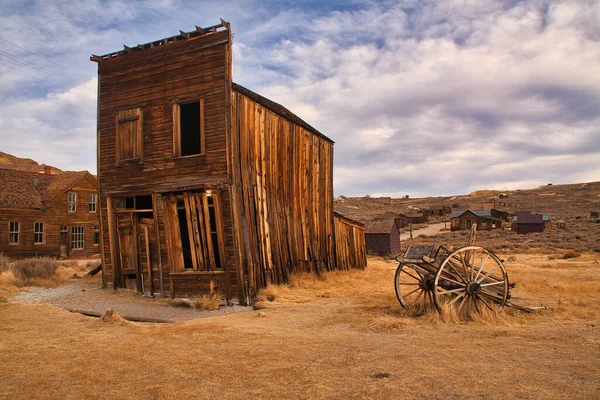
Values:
[(342, 336)]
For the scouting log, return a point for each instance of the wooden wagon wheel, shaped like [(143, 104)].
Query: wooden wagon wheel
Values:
[(414, 286), (472, 278)]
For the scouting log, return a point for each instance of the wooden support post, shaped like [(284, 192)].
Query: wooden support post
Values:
[(158, 251), (147, 238)]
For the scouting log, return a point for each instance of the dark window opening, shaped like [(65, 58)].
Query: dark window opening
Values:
[(129, 202), (213, 232), (189, 125), (96, 235), (185, 237), (143, 202)]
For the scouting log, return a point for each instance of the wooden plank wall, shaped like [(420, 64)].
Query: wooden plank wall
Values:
[(283, 191), (350, 244)]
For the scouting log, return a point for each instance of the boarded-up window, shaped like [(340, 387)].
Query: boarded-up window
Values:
[(188, 128), (129, 135), (38, 233)]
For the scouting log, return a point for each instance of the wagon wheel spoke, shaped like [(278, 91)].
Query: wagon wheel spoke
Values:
[(486, 303), (481, 266), (453, 281), (453, 267), (462, 302), (415, 300), (492, 284), (488, 274), (442, 291), (408, 283), (456, 298), (411, 292), (412, 276)]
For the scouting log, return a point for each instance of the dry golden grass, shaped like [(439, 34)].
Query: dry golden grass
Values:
[(339, 336), (208, 302)]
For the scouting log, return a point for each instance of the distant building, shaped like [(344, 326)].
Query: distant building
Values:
[(463, 220), (53, 213), (412, 217), (382, 236), (437, 209), (528, 222)]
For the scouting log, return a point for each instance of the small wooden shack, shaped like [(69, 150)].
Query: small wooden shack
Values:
[(464, 220), (207, 185), (437, 209), (528, 222), (411, 217), (52, 213), (382, 236)]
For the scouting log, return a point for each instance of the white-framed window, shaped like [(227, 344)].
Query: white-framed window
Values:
[(77, 242), (71, 202), (14, 232), (92, 202), (38, 233)]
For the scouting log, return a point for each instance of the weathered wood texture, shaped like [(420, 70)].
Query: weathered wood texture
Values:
[(53, 215), (265, 176), (350, 244)]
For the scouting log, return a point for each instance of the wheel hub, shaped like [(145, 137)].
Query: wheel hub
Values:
[(473, 287)]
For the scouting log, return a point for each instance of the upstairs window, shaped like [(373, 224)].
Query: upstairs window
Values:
[(38, 233), (71, 202), (92, 203), (14, 228), (129, 135), (188, 128)]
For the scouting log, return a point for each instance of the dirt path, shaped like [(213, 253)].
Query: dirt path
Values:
[(86, 295), (429, 230)]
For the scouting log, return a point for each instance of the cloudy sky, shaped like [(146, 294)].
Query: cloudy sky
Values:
[(421, 97)]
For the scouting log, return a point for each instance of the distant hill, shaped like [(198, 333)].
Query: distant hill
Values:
[(572, 203), (8, 161)]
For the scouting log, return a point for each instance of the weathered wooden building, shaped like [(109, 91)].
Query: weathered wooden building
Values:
[(464, 220), (528, 222), (48, 214), (382, 236), (437, 209), (203, 182), (407, 218)]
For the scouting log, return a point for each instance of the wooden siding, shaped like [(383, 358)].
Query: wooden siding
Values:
[(350, 245), (153, 81), (282, 182), (53, 216)]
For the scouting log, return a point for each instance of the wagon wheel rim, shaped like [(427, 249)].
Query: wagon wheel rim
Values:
[(473, 279), (414, 286)]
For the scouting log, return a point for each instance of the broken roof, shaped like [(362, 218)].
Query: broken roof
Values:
[(380, 225), (480, 213)]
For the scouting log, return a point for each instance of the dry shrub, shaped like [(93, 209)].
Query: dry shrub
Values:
[(208, 302), (7, 278), (570, 254)]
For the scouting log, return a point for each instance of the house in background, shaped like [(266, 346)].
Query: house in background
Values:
[(437, 209), (411, 217), (463, 220), (382, 236), (528, 222), (49, 213), (204, 183)]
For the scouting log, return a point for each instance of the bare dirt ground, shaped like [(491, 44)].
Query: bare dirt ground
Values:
[(431, 229), (342, 336), (87, 295)]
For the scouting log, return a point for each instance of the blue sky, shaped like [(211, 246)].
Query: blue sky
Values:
[(421, 97)]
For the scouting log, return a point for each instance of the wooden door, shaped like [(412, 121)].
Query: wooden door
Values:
[(128, 257)]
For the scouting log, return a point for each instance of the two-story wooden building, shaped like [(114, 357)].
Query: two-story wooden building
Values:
[(48, 214), (203, 182)]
